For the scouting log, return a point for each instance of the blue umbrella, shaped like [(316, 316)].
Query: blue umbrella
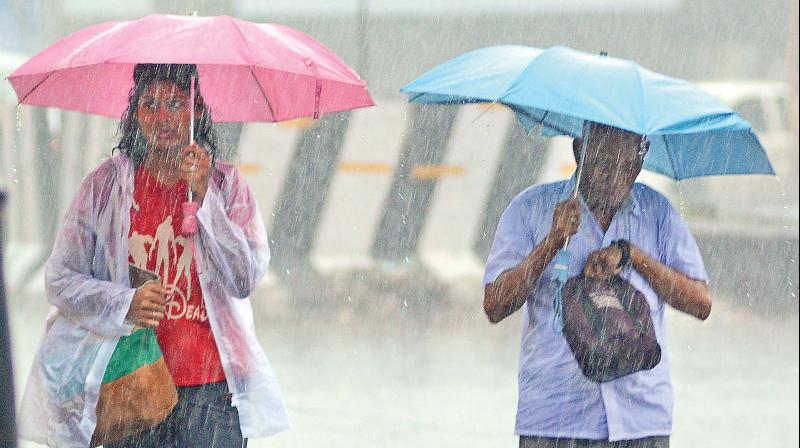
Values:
[(691, 134)]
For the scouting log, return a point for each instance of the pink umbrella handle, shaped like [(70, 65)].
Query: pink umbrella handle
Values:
[(189, 223), (189, 228)]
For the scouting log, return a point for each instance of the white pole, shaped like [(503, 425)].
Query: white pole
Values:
[(584, 141), (191, 112), (191, 124)]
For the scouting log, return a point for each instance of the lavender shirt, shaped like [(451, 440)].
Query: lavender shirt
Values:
[(555, 399)]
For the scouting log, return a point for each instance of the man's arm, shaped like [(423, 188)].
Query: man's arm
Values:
[(508, 292), (679, 291), (672, 286), (505, 296)]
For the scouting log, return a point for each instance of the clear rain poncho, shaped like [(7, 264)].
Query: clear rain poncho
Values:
[(87, 283)]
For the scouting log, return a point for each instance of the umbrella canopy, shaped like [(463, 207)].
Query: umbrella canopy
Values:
[(691, 134), (247, 71)]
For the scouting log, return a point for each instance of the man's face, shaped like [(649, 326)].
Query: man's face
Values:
[(612, 164)]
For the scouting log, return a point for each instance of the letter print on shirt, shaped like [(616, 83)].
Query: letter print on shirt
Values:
[(170, 256)]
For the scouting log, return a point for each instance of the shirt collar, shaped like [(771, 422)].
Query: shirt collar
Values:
[(630, 205)]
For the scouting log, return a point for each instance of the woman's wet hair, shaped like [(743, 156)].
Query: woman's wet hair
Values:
[(132, 143)]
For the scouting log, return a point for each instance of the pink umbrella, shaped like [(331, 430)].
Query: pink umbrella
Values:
[(248, 71)]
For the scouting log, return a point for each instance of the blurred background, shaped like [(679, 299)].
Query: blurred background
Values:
[(380, 220)]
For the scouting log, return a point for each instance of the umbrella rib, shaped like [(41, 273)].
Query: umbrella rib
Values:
[(252, 64), (544, 117), (669, 154), (235, 26), (555, 126), (492, 104), (263, 93), (413, 97), (35, 87), (541, 121)]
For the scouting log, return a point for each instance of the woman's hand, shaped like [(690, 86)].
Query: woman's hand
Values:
[(148, 305), (195, 169)]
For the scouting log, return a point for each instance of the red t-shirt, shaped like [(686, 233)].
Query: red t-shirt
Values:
[(155, 244)]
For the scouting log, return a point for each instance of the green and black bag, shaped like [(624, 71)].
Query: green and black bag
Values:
[(137, 391)]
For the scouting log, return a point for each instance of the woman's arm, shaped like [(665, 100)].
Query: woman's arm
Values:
[(232, 237), (97, 305)]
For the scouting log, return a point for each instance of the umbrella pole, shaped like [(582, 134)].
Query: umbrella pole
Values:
[(191, 123), (581, 160), (189, 223), (563, 257), (584, 142)]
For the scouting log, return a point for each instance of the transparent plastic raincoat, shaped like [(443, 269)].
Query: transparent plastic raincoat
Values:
[(87, 283)]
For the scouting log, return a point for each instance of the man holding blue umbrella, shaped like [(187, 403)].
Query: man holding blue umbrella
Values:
[(598, 224), (616, 227)]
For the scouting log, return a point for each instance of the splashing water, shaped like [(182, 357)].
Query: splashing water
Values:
[(15, 140)]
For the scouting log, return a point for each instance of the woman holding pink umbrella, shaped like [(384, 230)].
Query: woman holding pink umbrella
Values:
[(210, 251), (128, 212)]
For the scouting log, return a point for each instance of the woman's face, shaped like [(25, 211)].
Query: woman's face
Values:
[(163, 116)]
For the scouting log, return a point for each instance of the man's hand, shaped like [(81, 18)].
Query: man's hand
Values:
[(566, 220), (508, 292), (148, 305), (603, 263)]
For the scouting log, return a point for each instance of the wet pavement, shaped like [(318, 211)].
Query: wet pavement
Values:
[(379, 368)]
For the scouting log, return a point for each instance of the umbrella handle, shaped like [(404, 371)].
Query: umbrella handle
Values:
[(560, 275)]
